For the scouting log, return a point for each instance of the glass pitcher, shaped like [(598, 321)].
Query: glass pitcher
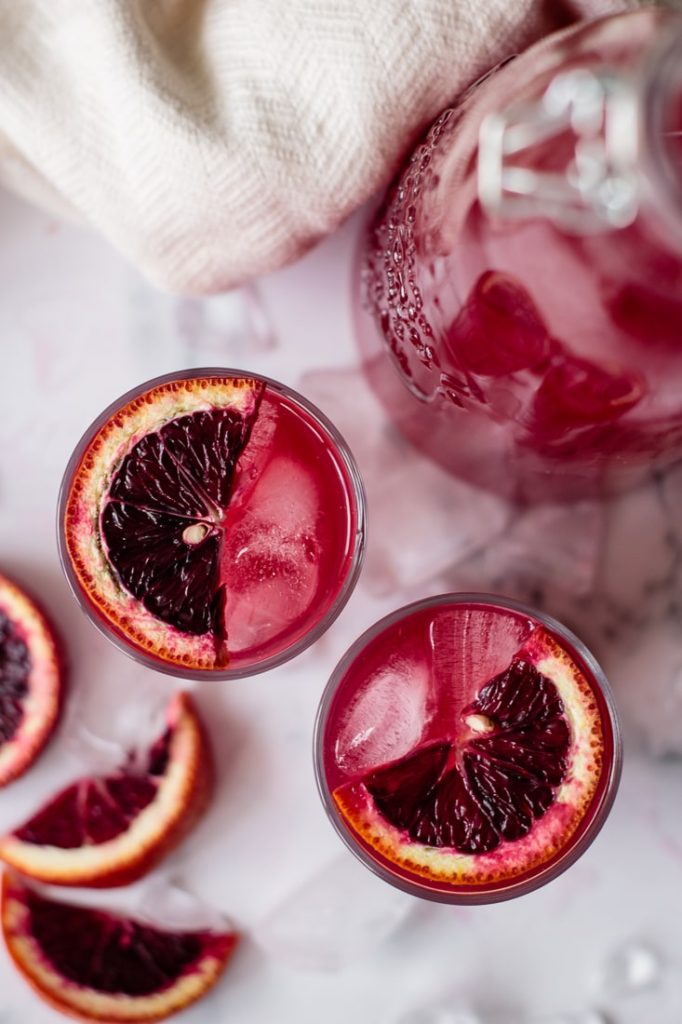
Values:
[(524, 272)]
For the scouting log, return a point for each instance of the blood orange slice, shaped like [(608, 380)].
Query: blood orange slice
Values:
[(577, 393), (499, 330), (98, 966), (31, 681), (504, 787), (111, 830), (142, 517)]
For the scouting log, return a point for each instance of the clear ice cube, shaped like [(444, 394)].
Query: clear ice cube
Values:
[(234, 323), (386, 718), (423, 519), (444, 1014), (468, 648), (271, 558), (427, 522), (336, 917), (630, 969), (545, 547), (167, 903), (650, 702), (105, 731), (572, 1017), (439, 1014), (639, 551), (636, 985)]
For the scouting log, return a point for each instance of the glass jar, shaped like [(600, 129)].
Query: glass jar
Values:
[(524, 272)]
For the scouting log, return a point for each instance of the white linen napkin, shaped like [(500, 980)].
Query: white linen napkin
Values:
[(211, 140)]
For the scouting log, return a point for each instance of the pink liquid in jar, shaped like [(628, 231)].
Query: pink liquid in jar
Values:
[(531, 342)]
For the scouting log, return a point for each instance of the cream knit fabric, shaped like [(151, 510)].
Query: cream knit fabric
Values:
[(214, 139)]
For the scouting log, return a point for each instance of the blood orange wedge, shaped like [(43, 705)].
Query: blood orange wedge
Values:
[(211, 523), (111, 830), (98, 966), (31, 681), (467, 748)]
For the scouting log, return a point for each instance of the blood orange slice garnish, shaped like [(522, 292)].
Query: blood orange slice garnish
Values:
[(99, 966), (193, 525), (31, 681), (143, 516), (111, 830), (498, 785)]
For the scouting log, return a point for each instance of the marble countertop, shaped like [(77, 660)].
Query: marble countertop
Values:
[(324, 939)]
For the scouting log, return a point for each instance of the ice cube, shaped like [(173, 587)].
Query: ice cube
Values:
[(427, 522), (468, 647), (235, 323), (639, 550), (629, 969), (439, 1014), (286, 496), (270, 558), (195, 330), (271, 555), (167, 902), (650, 701), (334, 918), (670, 496), (386, 718), (105, 731), (546, 547), (656, 1004), (572, 1017), (423, 519), (273, 583)]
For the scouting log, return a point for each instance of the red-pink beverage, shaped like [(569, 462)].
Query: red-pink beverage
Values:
[(212, 523), (467, 748), (523, 276)]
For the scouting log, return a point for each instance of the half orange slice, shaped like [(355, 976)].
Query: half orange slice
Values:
[(99, 966), (111, 830)]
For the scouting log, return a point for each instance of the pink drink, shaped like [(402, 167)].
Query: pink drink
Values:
[(523, 274), (467, 749), (212, 523)]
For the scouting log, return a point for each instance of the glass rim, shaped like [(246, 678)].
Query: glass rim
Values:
[(354, 486), (554, 868)]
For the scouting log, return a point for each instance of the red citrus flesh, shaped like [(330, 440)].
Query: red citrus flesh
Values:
[(193, 523), (31, 681), (499, 330), (498, 787), (109, 831), (98, 966)]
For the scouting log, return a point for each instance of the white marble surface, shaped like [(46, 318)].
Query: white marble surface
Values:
[(77, 328)]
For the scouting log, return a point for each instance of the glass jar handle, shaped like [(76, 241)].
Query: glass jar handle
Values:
[(599, 188)]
